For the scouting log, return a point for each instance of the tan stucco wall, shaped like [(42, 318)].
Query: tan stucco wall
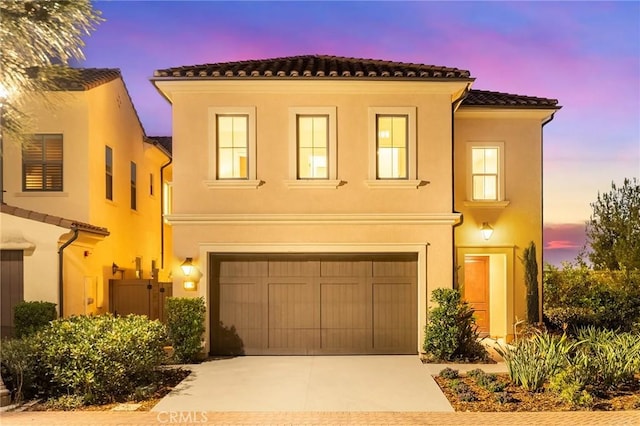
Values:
[(40, 260), (89, 120), (277, 218), (63, 113), (516, 224)]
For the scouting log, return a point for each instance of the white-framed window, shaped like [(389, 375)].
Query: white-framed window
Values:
[(312, 147), (485, 170), (392, 147), (232, 147)]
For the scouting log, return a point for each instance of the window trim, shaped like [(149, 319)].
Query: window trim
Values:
[(331, 182), (501, 196), (241, 183), (411, 181), (40, 138), (134, 186), (108, 174)]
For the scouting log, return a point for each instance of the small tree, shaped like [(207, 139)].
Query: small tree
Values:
[(613, 231), (451, 333), (531, 280)]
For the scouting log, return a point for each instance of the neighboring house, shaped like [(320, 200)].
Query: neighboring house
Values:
[(39, 253), (322, 199), (88, 159)]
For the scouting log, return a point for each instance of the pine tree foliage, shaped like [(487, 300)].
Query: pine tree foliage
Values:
[(613, 231), (37, 41)]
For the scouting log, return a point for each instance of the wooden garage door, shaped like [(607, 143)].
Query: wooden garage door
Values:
[(313, 304)]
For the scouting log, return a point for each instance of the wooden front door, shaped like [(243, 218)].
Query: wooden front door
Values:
[(12, 288), (476, 289)]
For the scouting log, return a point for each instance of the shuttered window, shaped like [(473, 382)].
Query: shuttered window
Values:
[(42, 163)]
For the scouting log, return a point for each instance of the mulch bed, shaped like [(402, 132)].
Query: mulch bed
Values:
[(545, 400)]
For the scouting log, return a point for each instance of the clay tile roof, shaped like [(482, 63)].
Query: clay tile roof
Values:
[(53, 220), (313, 66), (486, 98), (87, 78), (165, 141)]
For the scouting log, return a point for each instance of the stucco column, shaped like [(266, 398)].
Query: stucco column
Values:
[(5, 397)]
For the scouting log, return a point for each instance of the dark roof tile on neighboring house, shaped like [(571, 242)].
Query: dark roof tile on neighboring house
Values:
[(164, 141), (53, 220), (314, 66), (484, 98)]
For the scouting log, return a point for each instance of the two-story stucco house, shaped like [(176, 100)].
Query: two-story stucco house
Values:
[(83, 196), (322, 199)]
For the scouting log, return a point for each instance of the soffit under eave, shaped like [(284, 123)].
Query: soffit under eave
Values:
[(455, 88), (544, 114)]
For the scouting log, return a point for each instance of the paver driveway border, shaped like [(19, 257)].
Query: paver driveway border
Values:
[(110, 418)]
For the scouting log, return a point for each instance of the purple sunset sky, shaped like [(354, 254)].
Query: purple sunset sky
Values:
[(585, 54)]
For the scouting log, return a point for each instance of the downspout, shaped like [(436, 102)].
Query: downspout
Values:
[(541, 288), (162, 211), (61, 271), (454, 107)]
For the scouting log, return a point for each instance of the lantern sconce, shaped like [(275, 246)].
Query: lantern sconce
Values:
[(187, 267), (486, 230)]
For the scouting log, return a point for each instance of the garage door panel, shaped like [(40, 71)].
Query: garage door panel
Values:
[(291, 306), (394, 268), (315, 303), (293, 268), (237, 269), (343, 305), (394, 316), (345, 268)]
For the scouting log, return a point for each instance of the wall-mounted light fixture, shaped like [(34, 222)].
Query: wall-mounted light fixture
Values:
[(486, 230), (114, 268), (187, 266)]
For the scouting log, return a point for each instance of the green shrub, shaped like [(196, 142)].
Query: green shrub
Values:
[(570, 388), (185, 323), (607, 358), (20, 366), (99, 358), (576, 296), (29, 317), (448, 373), (451, 333), (531, 362), (504, 397)]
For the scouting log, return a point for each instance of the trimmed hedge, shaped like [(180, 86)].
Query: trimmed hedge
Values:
[(185, 325), (98, 359), (576, 296), (29, 317)]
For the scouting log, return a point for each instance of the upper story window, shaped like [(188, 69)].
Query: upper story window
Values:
[(485, 168), (392, 147), (232, 138), (312, 147), (232, 147), (108, 166), (42, 163), (134, 184), (484, 173)]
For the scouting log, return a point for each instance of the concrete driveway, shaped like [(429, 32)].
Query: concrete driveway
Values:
[(308, 383)]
